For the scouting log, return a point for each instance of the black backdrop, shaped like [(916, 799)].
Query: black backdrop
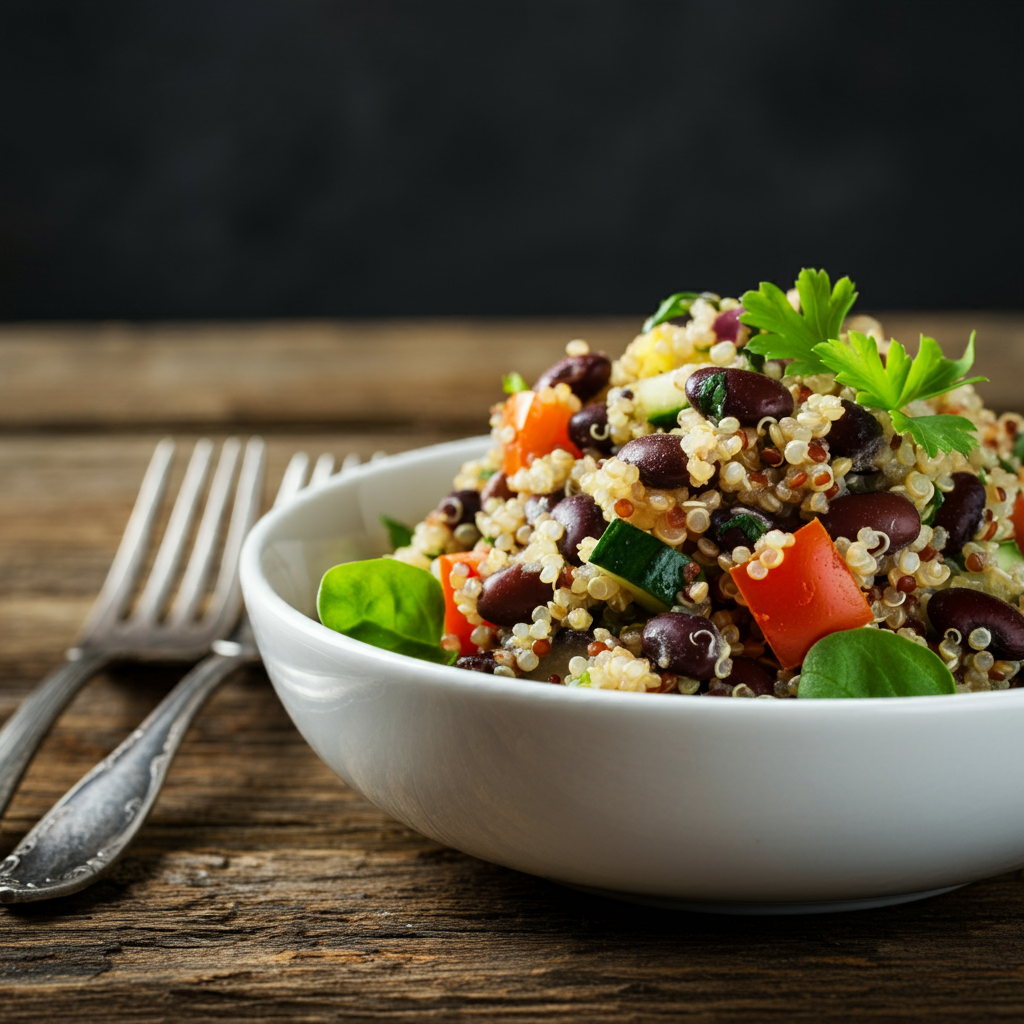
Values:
[(244, 158)]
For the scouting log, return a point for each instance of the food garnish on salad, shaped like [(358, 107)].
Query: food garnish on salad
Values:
[(761, 497)]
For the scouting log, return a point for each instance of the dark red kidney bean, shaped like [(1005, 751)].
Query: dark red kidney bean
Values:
[(857, 436), (581, 517), (483, 662), (739, 526), (588, 428), (727, 324), (961, 511), (537, 504), (459, 507), (747, 672), (585, 374), (965, 610), (496, 487), (660, 459), (687, 645), (891, 514), (745, 394), (510, 595)]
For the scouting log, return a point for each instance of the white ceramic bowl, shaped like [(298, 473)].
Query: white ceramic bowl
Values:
[(728, 805)]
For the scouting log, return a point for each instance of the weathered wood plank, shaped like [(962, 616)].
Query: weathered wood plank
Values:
[(304, 372), (364, 372), (262, 889)]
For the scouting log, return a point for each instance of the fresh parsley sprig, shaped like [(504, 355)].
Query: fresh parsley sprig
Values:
[(792, 335), (902, 380)]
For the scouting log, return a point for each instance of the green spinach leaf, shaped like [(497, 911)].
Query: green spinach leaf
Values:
[(872, 663), (400, 534), (386, 603)]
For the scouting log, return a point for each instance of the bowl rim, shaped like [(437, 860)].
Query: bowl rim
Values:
[(256, 588)]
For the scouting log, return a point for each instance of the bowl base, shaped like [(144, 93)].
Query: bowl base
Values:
[(760, 909)]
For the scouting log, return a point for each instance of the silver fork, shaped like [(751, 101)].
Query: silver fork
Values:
[(94, 822), (107, 634)]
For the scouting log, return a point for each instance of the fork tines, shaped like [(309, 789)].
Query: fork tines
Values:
[(147, 621)]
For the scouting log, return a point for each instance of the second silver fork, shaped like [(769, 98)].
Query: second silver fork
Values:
[(86, 831)]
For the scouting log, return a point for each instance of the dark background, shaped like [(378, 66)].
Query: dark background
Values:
[(249, 158)]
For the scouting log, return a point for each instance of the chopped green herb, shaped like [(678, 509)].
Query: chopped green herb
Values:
[(754, 361), (674, 306), (400, 534), (712, 395), (928, 518), (872, 663), (486, 474), (512, 383), (903, 380), (792, 335)]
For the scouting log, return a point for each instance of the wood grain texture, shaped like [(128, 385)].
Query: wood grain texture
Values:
[(263, 889), (391, 373)]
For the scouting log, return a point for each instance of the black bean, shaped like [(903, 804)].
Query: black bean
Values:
[(566, 644), (747, 395), (586, 374), (588, 428), (687, 645), (459, 507), (891, 514), (660, 459), (496, 487), (510, 595), (746, 672), (536, 504), (483, 662), (961, 511), (581, 517), (857, 436), (966, 610), (727, 325), (739, 526)]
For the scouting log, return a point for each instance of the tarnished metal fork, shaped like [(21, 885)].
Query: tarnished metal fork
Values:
[(145, 635), (89, 828)]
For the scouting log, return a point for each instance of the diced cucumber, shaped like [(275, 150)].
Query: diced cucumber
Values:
[(648, 568), (659, 399), (1008, 556)]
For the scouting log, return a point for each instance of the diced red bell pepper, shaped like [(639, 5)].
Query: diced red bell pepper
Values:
[(454, 621), (811, 594), (1017, 518), (540, 428)]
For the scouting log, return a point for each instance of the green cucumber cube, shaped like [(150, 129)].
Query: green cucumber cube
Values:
[(651, 570)]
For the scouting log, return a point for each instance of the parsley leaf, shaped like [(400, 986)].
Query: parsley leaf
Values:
[(935, 433), (903, 380), (792, 335)]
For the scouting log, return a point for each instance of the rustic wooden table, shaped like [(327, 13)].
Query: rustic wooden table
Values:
[(261, 887)]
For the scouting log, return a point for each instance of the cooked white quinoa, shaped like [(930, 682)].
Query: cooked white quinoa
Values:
[(774, 467)]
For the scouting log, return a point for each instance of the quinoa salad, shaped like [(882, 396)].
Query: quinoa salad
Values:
[(756, 491)]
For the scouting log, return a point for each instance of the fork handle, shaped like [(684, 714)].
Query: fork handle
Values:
[(85, 832), (24, 730)]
